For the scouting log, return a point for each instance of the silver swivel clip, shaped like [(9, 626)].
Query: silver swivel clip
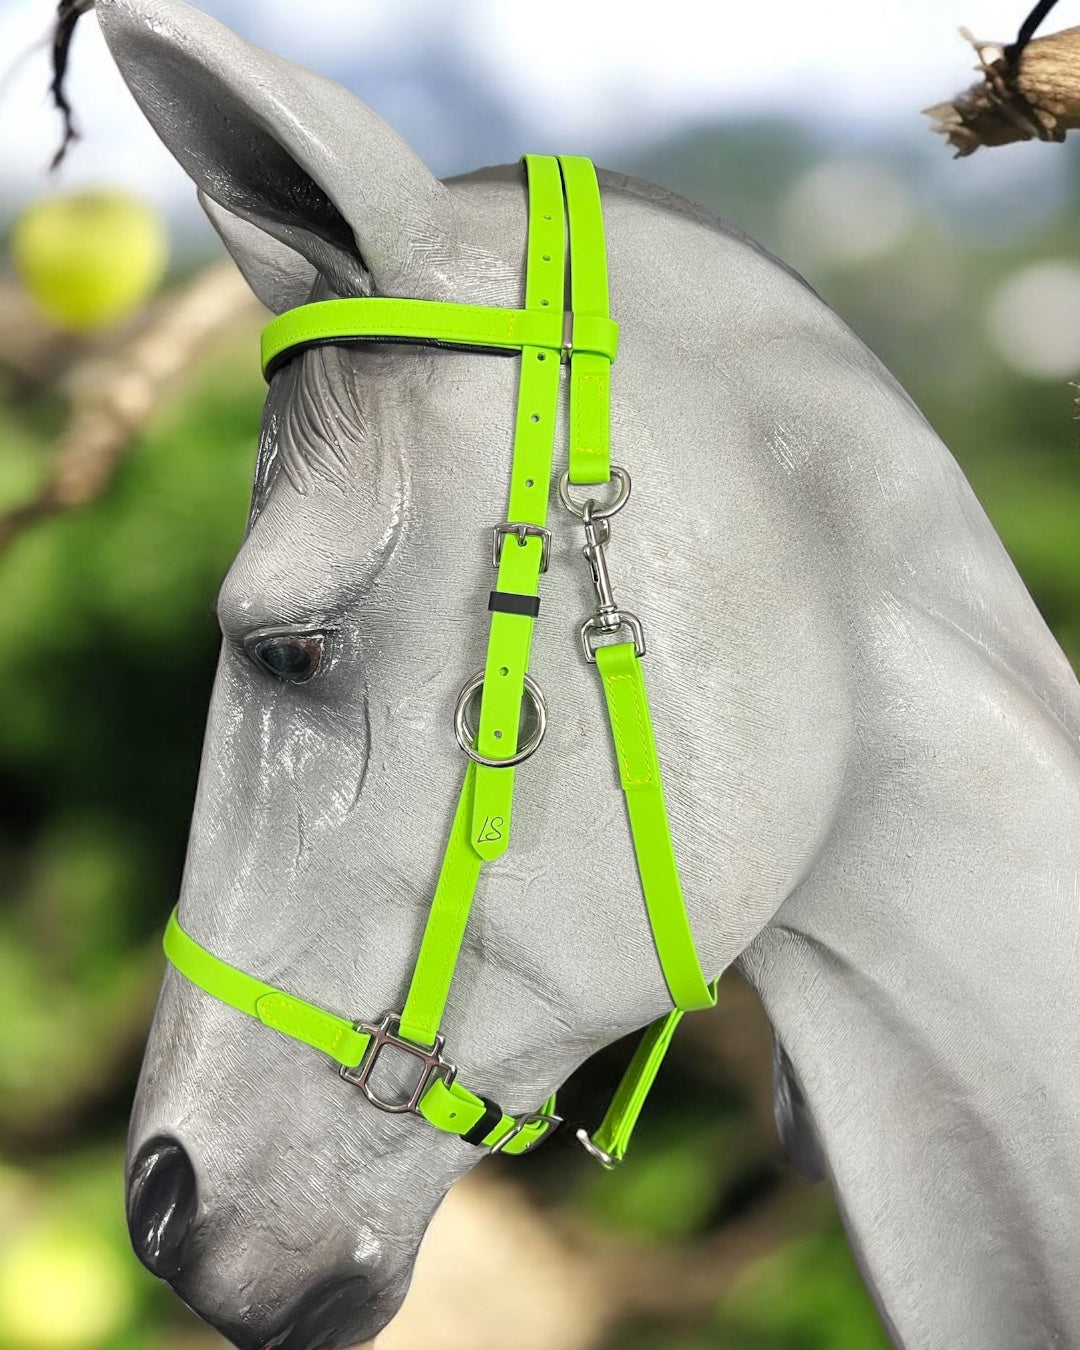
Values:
[(609, 618)]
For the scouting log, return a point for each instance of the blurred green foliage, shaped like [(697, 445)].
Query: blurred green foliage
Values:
[(108, 623)]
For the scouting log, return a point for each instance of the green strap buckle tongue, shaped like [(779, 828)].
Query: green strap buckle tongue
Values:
[(564, 201)]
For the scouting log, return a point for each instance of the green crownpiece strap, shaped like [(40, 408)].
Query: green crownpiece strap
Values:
[(615, 1130), (590, 371)]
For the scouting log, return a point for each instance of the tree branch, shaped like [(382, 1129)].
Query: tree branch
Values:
[(114, 399), (1030, 90)]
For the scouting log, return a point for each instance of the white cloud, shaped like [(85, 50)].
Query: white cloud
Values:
[(620, 68)]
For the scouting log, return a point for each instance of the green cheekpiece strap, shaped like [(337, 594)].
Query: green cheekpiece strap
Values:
[(523, 555), (445, 930)]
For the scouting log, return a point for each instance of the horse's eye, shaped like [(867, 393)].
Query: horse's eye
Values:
[(295, 656)]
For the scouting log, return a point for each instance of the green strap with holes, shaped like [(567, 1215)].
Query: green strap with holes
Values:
[(386, 319), (521, 558), (559, 190), (590, 378), (639, 772)]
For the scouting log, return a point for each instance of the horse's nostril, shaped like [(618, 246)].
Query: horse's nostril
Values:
[(332, 1316), (161, 1205)]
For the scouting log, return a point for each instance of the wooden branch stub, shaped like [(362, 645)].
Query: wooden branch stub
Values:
[(1035, 98), (112, 399)]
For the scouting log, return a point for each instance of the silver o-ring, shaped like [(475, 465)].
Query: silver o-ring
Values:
[(598, 512), (466, 736)]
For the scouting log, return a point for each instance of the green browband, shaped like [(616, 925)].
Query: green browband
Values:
[(564, 210)]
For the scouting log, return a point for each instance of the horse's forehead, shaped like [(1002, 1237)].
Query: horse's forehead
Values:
[(355, 443)]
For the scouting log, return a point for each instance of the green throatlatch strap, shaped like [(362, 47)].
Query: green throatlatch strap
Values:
[(639, 772), (590, 371), (452, 1107), (522, 554), (615, 1130)]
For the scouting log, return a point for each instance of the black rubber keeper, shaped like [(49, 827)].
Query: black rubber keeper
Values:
[(493, 1113), (509, 602)]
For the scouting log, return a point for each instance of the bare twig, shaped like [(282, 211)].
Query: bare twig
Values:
[(115, 399), (67, 16), (1030, 90)]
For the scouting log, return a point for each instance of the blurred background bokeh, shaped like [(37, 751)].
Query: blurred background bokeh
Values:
[(126, 455)]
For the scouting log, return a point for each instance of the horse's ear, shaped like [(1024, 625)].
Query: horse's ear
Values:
[(278, 275), (288, 152)]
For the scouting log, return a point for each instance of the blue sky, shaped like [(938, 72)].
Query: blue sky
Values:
[(623, 71)]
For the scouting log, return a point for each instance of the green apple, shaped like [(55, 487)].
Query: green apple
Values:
[(89, 259)]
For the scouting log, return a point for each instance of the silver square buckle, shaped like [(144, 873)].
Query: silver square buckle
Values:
[(523, 1123), (385, 1033), (523, 531)]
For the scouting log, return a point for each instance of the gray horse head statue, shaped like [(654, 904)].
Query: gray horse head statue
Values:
[(869, 741)]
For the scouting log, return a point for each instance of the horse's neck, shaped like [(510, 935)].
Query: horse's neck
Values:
[(922, 975), (923, 982)]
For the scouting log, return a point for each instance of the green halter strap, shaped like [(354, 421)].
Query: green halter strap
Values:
[(545, 334)]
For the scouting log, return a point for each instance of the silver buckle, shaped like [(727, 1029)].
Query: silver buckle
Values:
[(523, 1123), (523, 531), (595, 1151), (613, 622), (387, 1032)]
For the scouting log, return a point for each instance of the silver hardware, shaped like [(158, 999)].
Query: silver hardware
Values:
[(523, 531), (523, 1123), (609, 618), (387, 1032), (567, 336), (594, 1151), (598, 512), (611, 623), (466, 735)]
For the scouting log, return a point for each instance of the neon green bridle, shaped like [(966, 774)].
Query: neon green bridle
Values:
[(546, 334)]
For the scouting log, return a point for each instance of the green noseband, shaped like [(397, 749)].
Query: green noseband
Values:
[(564, 203)]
